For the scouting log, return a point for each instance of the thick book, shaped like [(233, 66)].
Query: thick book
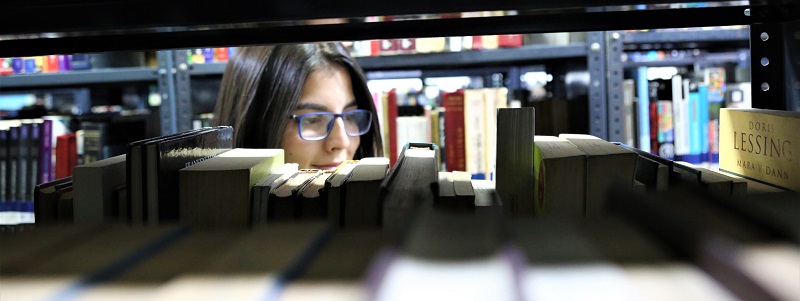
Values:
[(263, 188), (606, 164), (361, 191), (282, 205), (762, 145), (311, 201), (215, 193), (335, 193), (515, 170), (557, 161), (408, 186), (136, 179), (455, 138), (93, 186), (165, 158)]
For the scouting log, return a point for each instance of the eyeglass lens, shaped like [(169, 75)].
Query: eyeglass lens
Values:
[(317, 126)]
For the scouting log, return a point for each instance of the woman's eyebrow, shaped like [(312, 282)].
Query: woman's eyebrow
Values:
[(352, 103), (311, 106)]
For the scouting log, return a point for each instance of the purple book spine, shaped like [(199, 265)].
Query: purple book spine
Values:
[(46, 161)]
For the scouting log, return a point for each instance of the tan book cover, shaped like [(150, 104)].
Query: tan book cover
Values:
[(761, 144)]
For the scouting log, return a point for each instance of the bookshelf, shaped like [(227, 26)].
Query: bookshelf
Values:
[(96, 76), (299, 244)]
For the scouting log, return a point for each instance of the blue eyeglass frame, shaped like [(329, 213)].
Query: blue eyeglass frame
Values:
[(330, 124)]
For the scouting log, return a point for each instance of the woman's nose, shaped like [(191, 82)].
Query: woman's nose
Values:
[(338, 137)]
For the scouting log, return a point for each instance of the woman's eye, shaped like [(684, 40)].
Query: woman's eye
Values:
[(311, 120)]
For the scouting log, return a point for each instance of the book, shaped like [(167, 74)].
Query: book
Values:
[(455, 192), (215, 193), (361, 205), (606, 164), (408, 186), (761, 145), (95, 141), (334, 191), (312, 202), (143, 170), (455, 137), (93, 187), (557, 161), (66, 155), (515, 166), (474, 132), (717, 186), (262, 190), (643, 109), (282, 203)]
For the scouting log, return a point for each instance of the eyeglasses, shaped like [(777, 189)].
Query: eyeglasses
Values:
[(318, 125)]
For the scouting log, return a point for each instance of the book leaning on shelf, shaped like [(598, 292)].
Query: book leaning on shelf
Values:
[(152, 170), (761, 144)]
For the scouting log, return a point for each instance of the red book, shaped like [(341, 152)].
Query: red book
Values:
[(221, 54), (477, 42), (52, 63), (509, 40), (455, 150), (66, 155), (391, 123), (375, 46)]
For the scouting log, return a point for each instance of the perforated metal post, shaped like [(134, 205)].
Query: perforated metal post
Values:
[(183, 92), (166, 88), (597, 84), (614, 92)]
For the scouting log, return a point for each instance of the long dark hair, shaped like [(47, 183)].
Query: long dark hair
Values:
[(262, 84)]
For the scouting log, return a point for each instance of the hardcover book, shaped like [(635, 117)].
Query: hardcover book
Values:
[(407, 187), (166, 158), (515, 174), (361, 205), (335, 193), (761, 145), (263, 188), (455, 137)]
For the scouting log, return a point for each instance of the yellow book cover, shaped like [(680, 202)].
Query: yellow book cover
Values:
[(760, 144)]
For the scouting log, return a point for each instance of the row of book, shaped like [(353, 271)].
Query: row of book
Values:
[(44, 64), (28, 156), (679, 118), (463, 126), (209, 55), (676, 244)]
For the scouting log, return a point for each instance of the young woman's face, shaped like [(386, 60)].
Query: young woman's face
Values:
[(325, 90)]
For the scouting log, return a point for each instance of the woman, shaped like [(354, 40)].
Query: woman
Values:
[(310, 100)]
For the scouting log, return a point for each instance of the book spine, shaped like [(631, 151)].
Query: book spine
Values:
[(45, 161), (702, 102), (643, 94), (3, 164), (23, 158), (391, 122), (695, 142), (666, 130), (454, 131), (62, 156)]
